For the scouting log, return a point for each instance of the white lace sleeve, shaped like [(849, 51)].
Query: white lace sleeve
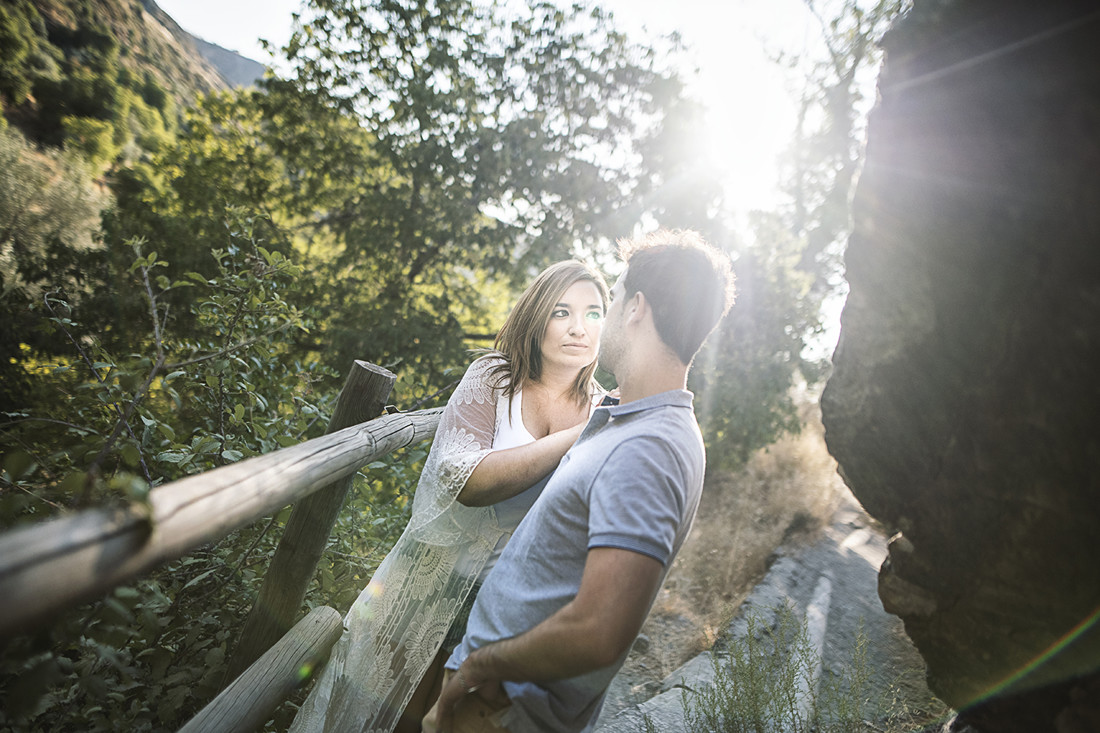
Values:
[(464, 437), (399, 621)]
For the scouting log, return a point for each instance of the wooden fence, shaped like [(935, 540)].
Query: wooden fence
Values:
[(54, 566)]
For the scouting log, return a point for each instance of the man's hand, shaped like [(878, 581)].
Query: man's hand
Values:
[(457, 686)]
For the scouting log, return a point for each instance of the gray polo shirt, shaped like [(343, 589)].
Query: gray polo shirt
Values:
[(632, 481)]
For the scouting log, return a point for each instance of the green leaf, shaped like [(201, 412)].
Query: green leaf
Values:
[(29, 688), (199, 578), (73, 483), (214, 657), (18, 464), (131, 456), (232, 455), (158, 660)]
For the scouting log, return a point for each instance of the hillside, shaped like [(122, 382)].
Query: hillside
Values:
[(238, 70), (148, 39), (70, 69)]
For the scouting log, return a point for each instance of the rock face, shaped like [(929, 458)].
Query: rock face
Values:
[(964, 403)]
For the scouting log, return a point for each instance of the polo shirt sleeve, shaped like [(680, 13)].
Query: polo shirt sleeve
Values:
[(637, 499)]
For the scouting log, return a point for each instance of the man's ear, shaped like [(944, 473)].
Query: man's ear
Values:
[(636, 307)]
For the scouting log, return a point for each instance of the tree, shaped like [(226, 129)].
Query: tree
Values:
[(498, 140), (827, 152), (18, 43), (49, 217), (152, 653), (787, 265)]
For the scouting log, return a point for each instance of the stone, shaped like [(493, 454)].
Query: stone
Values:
[(963, 404)]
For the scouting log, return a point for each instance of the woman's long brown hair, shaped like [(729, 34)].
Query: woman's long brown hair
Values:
[(519, 340)]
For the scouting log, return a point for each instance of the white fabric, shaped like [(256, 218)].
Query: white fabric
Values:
[(511, 432), (398, 623)]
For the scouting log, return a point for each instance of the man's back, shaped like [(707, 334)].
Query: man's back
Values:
[(632, 482)]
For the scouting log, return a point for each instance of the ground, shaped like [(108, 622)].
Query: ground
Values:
[(834, 570)]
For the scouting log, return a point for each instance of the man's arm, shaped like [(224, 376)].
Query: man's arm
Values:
[(591, 631)]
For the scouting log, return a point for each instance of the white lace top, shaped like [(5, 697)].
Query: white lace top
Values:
[(399, 621)]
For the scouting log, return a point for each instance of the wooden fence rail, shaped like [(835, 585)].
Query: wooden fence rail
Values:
[(58, 564), (252, 697)]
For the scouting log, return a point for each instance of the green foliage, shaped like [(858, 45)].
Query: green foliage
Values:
[(67, 82), (789, 267), (498, 140), (384, 203), (18, 44), (827, 152), (744, 373), (50, 206), (152, 653)]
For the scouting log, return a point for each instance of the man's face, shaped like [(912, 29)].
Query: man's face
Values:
[(612, 344)]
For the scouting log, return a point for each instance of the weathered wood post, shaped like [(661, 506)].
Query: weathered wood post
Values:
[(249, 701), (307, 531)]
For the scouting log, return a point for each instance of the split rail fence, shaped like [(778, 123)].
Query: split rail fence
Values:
[(56, 565)]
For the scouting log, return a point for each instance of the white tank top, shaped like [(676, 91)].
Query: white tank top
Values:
[(512, 433)]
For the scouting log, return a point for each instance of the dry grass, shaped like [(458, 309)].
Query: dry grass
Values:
[(786, 493)]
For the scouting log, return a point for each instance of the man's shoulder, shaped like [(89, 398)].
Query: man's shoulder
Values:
[(664, 423)]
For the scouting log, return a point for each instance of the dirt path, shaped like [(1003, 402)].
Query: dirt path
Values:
[(831, 583)]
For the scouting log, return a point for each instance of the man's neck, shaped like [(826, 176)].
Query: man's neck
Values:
[(653, 377)]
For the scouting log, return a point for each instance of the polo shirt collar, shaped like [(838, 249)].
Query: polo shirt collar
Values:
[(672, 398)]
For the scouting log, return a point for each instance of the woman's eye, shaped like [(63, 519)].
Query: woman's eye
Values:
[(594, 316), (559, 313)]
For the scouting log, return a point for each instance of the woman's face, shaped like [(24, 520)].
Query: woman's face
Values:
[(572, 336)]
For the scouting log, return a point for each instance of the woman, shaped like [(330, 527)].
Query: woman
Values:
[(513, 416)]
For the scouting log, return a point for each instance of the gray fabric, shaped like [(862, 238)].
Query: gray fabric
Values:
[(632, 482)]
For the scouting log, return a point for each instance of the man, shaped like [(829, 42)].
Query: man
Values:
[(557, 615)]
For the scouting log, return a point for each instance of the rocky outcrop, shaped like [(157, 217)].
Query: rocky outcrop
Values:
[(964, 401)]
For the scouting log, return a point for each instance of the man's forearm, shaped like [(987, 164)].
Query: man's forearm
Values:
[(564, 645), (590, 632)]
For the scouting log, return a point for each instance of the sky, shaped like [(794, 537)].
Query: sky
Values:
[(730, 39)]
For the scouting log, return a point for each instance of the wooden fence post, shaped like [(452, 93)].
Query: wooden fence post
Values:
[(308, 529), (249, 701)]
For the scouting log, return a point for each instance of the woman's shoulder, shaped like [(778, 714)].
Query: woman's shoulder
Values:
[(492, 364), (486, 376)]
